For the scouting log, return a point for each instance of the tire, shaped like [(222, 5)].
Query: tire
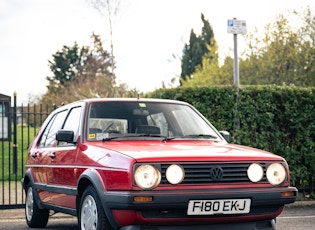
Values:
[(35, 217), (91, 212)]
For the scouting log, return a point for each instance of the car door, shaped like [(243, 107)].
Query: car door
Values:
[(61, 174), (40, 155)]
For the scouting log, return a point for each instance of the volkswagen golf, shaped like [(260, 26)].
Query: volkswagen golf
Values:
[(153, 164)]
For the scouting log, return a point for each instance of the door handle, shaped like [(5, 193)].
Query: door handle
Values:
[(52, 155), (34, 155)]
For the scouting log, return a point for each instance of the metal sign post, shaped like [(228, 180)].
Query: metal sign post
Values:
[(236, 27), (236, 70)]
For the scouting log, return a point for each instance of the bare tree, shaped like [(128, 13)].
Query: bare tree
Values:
[(109, 10)]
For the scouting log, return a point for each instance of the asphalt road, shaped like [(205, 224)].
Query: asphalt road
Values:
[(297, 216)]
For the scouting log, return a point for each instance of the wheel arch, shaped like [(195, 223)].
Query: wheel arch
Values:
[(29, 179), (92, 177)]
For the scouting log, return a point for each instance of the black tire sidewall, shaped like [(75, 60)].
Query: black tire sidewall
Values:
[(40, 216)]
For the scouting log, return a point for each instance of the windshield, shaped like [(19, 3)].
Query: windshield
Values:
[(126, 119)]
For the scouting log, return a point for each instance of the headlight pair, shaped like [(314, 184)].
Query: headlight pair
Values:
[(276, 173), (149, 176)]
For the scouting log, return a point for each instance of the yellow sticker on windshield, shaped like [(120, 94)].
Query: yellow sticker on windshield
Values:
[(142, 105)]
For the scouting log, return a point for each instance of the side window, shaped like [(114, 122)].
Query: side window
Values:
[(49, 136), (73, 121)]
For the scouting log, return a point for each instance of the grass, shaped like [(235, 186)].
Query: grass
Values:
[(25, 135)]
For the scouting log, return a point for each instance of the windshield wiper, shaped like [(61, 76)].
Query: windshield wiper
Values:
[(205, 136), (164, 138), (109, 138)]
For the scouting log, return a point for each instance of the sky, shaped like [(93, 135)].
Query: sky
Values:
[(146, 36)]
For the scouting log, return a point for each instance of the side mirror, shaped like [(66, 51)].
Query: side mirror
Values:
[(65, 136), (225, 135)]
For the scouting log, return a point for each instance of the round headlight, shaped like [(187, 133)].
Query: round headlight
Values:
[(147, 176), (276, 173), (255, 172), (175, 174)]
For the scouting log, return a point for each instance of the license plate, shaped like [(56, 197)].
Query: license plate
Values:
[(216, 207)]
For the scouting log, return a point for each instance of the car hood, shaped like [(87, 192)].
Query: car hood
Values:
[(185, 150)]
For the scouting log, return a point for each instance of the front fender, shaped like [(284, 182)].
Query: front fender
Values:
[(92, 177)]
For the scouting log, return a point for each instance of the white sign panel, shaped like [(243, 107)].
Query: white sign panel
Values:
[(236, 26), (4, 127)]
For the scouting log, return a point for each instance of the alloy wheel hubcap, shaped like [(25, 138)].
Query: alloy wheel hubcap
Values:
[(29, 203), (89, 213)]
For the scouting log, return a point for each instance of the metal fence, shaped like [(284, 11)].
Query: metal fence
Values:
[(18, 126)]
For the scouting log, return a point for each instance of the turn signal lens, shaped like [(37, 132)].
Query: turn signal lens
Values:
[(142, 199), (287, 194)]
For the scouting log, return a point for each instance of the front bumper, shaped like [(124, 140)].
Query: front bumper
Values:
[(180, 198), (170, 207)]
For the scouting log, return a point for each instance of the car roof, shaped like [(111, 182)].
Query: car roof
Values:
[(91, 100), (133, 100)]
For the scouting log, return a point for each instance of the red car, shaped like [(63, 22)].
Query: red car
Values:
[(136, 164)]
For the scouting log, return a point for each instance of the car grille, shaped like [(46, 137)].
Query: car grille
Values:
[(213, 173)]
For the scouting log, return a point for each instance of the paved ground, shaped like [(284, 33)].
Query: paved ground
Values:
[(11, 193)]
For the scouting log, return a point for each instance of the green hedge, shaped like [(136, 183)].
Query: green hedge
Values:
[(279, 119)]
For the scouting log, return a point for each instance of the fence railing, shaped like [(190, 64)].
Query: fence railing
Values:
[(18, 126)]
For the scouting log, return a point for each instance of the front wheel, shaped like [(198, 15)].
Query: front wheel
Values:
[(35, 217), (91, 214)]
